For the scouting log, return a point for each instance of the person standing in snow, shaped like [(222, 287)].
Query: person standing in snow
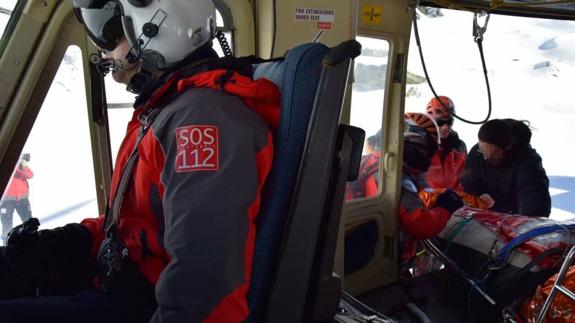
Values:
[(16, 196)]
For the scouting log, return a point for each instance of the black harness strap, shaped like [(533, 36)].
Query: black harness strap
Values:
[(535, 262), (113, 255), (112, 215)]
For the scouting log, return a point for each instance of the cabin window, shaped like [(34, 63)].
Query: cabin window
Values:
[(62, 189), (531, 68), (367, 103)]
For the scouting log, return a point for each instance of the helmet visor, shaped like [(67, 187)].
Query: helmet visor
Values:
[(102, 20)]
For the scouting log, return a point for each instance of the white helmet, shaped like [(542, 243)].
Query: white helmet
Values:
[(163, 32)]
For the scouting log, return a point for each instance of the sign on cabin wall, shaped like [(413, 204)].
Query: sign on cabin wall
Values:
[(303, 21), (322, 18), (371, 14)]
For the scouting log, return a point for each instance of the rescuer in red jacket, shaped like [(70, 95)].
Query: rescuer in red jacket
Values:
[(16, 196), (177, 241), (418, 221), (367, 182), (448, 162)]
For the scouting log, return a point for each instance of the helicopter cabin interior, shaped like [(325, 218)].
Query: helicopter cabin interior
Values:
[(55, 106)]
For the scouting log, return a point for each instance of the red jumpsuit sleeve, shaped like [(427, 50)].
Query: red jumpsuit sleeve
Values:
[(417, 220), (96, 228)]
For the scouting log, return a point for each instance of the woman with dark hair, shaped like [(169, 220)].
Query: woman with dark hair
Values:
[(520, 134), (505, 166)]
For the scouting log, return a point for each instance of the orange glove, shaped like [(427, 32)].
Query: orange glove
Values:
[(429, 197)]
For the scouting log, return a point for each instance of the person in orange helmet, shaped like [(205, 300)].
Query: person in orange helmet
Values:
[(448, 161), (418, 220)]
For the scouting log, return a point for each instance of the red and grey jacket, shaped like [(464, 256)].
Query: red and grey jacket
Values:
[(18, 187), (187, 219), (447, 164)]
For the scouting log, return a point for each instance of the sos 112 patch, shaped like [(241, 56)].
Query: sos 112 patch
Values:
[(198, 148)]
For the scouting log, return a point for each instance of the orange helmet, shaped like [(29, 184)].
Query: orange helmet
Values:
[(437, 110)]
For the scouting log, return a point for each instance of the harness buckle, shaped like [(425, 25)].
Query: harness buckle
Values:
[(111, 258)]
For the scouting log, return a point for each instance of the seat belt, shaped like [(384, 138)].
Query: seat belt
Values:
[(113, 253), (113, 214)]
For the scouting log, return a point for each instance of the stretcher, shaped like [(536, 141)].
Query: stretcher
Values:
[(503, 258)]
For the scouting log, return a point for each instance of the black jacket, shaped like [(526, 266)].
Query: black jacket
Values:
[(518, 185)]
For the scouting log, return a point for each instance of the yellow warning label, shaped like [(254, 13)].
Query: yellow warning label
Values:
[(371, 14)]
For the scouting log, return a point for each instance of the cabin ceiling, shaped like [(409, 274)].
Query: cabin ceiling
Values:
[(557, 9)]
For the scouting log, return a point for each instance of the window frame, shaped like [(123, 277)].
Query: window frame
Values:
[(384, 132), (45, 31), (12, 23)]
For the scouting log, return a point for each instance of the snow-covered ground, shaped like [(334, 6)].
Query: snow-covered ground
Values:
[(531, 67), (527, 81)]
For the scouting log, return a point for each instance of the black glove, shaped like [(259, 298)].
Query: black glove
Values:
[(449, 200), (56, 261)]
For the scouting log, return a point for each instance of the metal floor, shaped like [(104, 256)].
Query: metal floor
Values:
[(428, 293)]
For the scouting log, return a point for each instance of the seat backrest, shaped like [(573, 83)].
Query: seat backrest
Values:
[(297, 77), (304, 287)]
